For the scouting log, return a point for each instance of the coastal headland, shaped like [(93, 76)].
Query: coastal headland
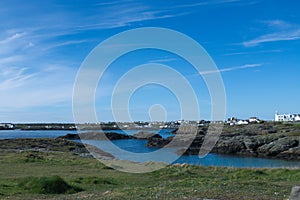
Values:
[(62, 169), (266, 140)]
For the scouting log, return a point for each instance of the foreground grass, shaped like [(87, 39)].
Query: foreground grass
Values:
[(93, 180)]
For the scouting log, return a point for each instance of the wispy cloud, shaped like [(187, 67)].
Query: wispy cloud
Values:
[(274, 37), (253, 52), (11, 38), (232, 68), (281, 24), (22, 88), (13, 77), (27, 46), (107, 3), (117, 16), (65, 43), (205, 3), (280, 31), (26, 78), (162, 60), (10, 59), (14, 43)]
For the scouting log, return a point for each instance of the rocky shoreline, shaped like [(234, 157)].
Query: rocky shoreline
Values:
[(268, 140), (100, 135), (255, 140), (52, 145)]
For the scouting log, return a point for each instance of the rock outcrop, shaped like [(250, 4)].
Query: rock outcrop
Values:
[(96, 136), (47, 145), (295, 194), (253, 140), (257, 140), (143, 135)]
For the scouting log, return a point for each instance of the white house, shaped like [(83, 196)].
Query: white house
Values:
[(242, 122), (231, 121), (7, 126), (234, 121), (254, 120), (287, 117)]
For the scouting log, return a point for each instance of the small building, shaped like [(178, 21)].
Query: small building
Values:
[(287, 117), (7, 126), (254, 120), (234, 121), (231, 121), (242, 122)]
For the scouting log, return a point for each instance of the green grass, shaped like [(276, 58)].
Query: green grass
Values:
[(47, 185), (293, 134), (28, 175)]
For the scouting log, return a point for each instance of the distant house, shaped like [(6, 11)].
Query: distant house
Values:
[(242, 122), (7, 126), (231, 121), (254, 120), (234, 121), (287, 117)]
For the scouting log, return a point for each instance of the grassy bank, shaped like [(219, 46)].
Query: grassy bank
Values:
[(23, 173)]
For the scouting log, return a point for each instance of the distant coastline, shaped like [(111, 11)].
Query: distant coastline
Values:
[(139, 125)]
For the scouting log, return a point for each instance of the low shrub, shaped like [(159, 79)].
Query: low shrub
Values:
[(48, 185)]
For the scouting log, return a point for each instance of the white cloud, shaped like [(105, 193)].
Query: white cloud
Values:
[(231, 69), (21, 89), (253, 52), (13, 44), (205, 3), (278, 24), (11, 78), (62, 44), (123, 15), (11, 38), (10, 59), (274, 37), (162, 60), (280, 31)]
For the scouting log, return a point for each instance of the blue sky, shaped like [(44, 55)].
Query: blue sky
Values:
[(254, 43)]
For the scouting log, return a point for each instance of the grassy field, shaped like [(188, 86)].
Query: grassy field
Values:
[(27, 175)]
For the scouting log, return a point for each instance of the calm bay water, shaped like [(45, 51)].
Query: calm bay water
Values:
[(138, 146), (11, 134)]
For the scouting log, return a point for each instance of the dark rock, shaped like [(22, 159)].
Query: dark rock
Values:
[(60, 145), (189, 151), (174, 131), (69, 136), (186, 130), (242, 142), (96, 136), (278, 146), (291, 154), (116, 136), (254, 142), (142, 135), (158, 142), (230, 146), (295, 194)]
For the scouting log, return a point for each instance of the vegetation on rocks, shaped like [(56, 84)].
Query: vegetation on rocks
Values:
[(271, 140)]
